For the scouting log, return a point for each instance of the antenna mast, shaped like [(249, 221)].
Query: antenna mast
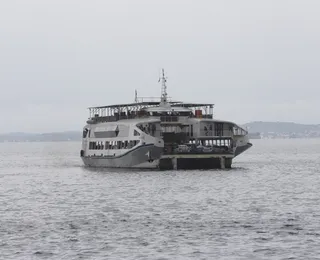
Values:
[(163, 89), (135, 96)]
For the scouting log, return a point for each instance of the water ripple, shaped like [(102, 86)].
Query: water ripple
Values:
[(266, 207)]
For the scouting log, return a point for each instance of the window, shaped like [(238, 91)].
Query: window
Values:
[(85, 132), (136, 133), (219, 129)]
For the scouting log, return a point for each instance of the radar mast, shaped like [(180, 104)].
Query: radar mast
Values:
[(135, 96), (164, 95)]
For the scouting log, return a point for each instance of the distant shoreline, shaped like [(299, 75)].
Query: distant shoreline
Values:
[(79, 141)]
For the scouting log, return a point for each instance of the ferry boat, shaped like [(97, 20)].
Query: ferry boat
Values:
[(160, 134)]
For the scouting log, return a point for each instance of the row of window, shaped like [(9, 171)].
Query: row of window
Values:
[(210, 142), (111, 145)]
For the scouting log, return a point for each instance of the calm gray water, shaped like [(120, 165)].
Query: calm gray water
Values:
[(266, 207)]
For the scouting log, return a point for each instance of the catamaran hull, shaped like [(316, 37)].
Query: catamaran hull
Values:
[(151, 157), (242, 148), (144, 157)]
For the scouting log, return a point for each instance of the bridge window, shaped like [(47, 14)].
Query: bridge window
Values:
[(85, 133), (136, 133), (149, 129)]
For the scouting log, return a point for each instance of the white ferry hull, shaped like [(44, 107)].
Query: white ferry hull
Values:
[(178, 136), (143, 157)]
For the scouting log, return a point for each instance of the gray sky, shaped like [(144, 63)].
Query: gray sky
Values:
[(256, 60)]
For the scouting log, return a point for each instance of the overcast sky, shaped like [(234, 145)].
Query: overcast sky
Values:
[(255, 60)]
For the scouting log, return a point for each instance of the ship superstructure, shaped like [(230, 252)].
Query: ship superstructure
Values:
[(160, 134)]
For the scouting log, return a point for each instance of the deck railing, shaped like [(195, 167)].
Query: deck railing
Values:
[(116, 117)]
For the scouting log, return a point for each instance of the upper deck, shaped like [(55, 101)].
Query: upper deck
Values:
[(144, 109), (168, 111)]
